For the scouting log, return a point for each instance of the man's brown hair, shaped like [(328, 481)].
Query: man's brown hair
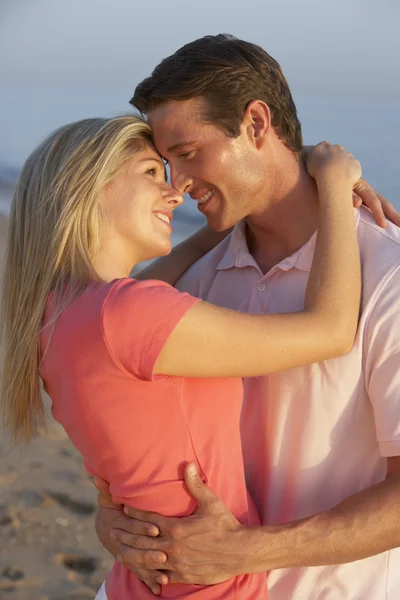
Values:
[(228, 73)]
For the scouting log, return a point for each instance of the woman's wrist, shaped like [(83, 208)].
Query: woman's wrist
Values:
[(333, 179)]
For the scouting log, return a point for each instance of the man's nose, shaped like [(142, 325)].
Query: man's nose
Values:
[(181, 181)]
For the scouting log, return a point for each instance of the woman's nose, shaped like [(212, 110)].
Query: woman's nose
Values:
[(173, 197)]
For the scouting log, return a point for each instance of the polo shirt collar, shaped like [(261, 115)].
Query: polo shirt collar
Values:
[(237, 253)]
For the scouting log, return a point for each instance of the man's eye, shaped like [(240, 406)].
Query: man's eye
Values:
[(187, 155)]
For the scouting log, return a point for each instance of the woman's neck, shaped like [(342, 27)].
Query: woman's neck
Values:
[(111, 262)]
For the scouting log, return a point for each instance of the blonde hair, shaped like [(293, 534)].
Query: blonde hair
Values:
[(54, 234)]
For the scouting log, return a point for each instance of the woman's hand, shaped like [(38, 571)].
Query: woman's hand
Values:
[(363, 193), (326, 161)]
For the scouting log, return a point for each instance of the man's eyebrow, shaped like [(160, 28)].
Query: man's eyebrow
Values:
[(179, 145)]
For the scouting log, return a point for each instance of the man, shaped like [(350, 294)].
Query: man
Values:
[(321, 443)]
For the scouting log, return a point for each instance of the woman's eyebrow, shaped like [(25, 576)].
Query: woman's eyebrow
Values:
[(148, 158)]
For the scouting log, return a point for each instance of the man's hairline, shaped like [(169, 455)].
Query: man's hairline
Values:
[(202, 118)]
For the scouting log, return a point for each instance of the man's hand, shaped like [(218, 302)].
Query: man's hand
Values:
[(206, 548), (110, 518)]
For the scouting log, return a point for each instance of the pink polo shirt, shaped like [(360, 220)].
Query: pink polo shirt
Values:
[(314, 435), (138, 431)]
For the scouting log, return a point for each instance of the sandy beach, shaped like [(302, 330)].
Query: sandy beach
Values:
[(48, 545)]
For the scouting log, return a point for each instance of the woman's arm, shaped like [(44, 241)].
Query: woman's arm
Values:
[(170, 268), (214, 342)]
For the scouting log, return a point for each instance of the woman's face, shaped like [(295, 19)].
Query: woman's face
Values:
[(138, 204)]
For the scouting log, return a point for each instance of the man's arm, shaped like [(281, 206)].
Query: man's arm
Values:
[(211, 546), (364, 524), (170, 268)]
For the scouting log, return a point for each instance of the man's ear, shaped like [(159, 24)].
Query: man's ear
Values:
[(257, 122)]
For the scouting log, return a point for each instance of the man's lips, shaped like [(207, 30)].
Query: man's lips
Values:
[(205, 197), (205, 200)]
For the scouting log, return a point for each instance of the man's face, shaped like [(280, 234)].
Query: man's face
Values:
[(224, 175)]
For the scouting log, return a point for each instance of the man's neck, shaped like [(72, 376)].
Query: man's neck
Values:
[(288, 221)]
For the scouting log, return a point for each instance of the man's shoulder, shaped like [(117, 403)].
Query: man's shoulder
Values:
[(372, 235), (380, 258), (379, 248), (200, 276)]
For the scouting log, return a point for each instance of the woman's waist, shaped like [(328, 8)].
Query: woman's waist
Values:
[(121, 584), (154, 481), (170, 497)]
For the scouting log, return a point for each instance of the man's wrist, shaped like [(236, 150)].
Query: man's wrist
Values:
[(250, 549), (267, 547)]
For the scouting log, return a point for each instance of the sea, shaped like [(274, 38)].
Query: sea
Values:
[(367, 127)]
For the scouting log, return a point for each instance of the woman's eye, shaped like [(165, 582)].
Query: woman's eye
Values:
[(152, 172)]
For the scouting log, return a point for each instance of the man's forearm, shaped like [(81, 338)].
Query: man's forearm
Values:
[(363, 525), (170, 268), (211, 546)]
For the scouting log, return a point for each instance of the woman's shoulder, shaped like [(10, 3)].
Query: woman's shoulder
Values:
[(97, 293), (131, 285), (129, 290), (137, 319), (143, 302)]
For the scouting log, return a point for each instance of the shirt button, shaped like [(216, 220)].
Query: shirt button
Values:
[(261, 287)]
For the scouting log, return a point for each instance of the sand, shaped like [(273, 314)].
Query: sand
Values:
[(48, 545)]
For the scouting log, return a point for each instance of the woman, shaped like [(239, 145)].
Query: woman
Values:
[(91, 203)]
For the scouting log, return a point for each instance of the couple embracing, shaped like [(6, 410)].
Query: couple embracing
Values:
[(238, 398)]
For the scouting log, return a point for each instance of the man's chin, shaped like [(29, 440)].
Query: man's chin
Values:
[(219, 224)]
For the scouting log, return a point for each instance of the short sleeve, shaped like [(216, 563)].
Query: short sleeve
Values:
[(138, 317), (382, 366)]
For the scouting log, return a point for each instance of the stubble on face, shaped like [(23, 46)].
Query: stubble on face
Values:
[(203, 157)]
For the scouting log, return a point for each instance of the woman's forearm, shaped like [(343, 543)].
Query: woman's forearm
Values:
[(170, 268), (334, 286)]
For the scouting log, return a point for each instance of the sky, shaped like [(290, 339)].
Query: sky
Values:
[(66, 59), (334, 45)]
